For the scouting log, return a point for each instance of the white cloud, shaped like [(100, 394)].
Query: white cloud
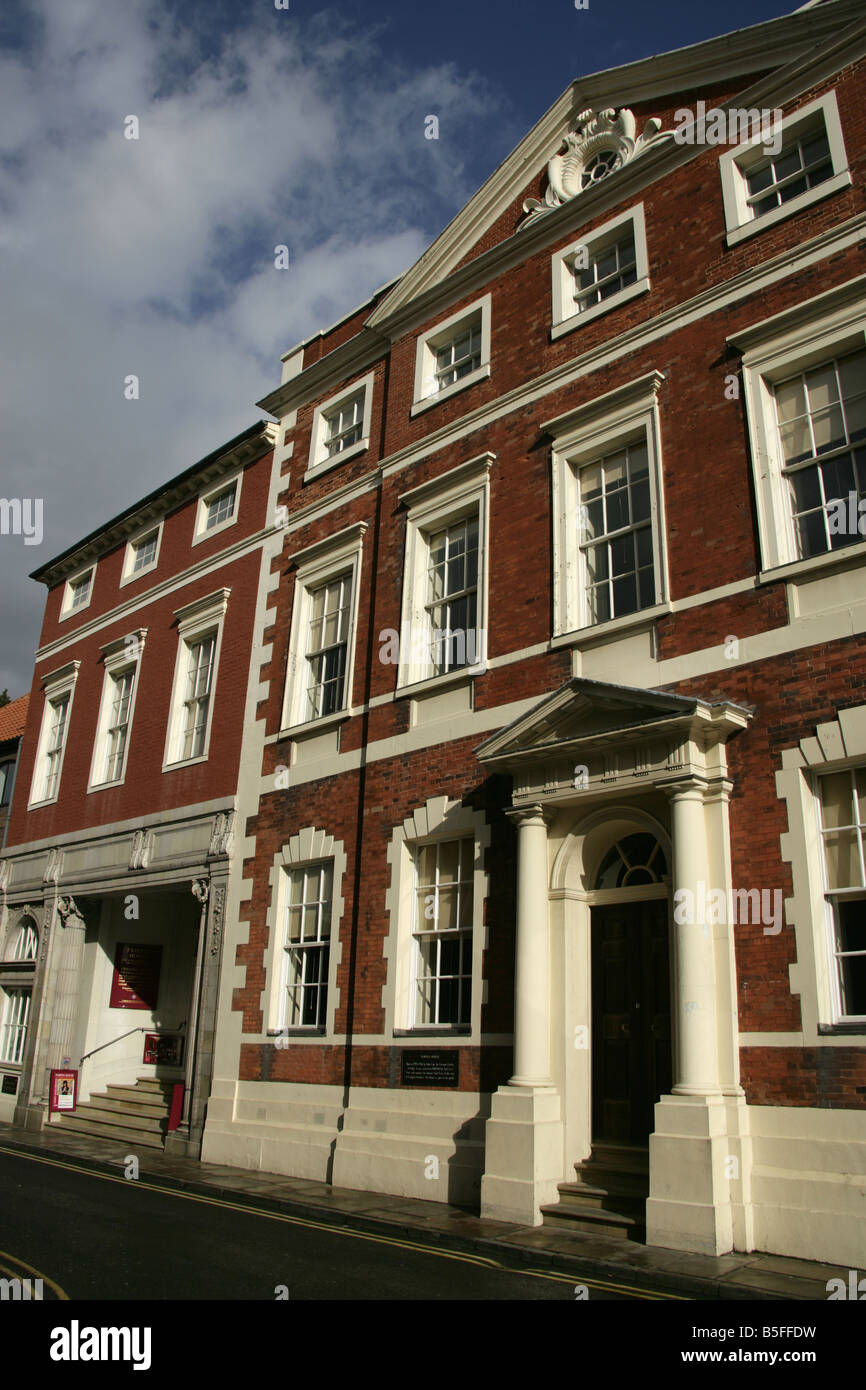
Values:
[(155, 256)]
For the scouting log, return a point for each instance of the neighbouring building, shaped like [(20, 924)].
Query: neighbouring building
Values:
[(554, 897), (13, 717), (119, 843)]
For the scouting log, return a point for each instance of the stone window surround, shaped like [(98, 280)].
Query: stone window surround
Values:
[(732, 163), (565, 317), (450, 497), (835, 746), (66, 608), (195, 621), (128, 575), (320, 461), (317, 565), (424, 394), (827, 326), (308, 846), (622, 416), (117, 660), (201, 532), (55, 685), (438, 819)]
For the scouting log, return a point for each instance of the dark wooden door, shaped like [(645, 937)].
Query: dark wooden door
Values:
[(631, 1019)]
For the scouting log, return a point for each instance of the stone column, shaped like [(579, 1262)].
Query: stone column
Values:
[(524, 1135), (68, 984), (532, 952), (696, 1132), (696, 1067)]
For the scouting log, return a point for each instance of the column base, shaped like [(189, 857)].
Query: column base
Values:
[(523, 1154), (700, 1159)]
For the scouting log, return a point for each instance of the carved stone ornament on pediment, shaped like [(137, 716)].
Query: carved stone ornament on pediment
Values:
[(600, 143)]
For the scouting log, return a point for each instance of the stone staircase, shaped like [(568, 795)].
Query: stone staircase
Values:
[(135, 1115), (609, 1196)]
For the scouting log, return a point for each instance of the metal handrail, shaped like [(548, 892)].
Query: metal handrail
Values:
[(128, 1034)]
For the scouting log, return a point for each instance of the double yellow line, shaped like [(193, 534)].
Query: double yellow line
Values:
[(482, 1261)]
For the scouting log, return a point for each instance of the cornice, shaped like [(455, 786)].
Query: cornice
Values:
[(848, 294), (357, 354), (157, 505)]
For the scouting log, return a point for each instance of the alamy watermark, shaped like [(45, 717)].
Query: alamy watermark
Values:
[(738, 906), (22, 516), (733, 127), (448, 648)]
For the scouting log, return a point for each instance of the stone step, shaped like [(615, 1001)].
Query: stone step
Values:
[(79, 1122), (613, 1224), (619, 1158), (155, 1083), (595, 1177), (127, 1097), (581, 1196), (132, 1117)]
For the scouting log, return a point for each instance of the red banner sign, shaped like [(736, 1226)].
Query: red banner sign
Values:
[(135, 983)]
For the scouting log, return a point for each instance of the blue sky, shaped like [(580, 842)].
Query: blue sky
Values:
[(258, 127)]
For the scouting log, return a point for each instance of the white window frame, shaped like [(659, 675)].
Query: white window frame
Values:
[(7, 990), (309, 846), (66, 608), (129, 574), (736, 163), (120, 657), (58, 685), (320, 461), (837, 746), (625, 416), (827, 327), (426, 392), (566, 317), (462, 492), (201, 532), (195, 622), (320, 564), (439, 819)]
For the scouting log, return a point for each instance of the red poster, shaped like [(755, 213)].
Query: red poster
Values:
[(63, 1091), (164, 1050), (135, 983)]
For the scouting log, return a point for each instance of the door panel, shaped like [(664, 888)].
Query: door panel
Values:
[(631, 1026)]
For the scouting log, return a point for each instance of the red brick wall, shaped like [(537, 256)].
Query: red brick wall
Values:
[(146, 789)]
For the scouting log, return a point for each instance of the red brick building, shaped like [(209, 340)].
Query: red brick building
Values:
[(556, 860), (119, 842), (13, 717)]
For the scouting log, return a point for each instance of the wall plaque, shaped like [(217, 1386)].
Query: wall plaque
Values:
[(163, 1049), (135, 983), (429, 1068), (10, 1085)]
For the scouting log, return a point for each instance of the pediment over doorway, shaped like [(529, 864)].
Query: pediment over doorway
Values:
[(589, 735)]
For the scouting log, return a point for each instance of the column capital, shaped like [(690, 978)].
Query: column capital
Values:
[(534, 814), (687, 789), (69, 912)]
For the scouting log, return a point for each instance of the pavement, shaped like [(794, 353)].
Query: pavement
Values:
[(741, 1277)]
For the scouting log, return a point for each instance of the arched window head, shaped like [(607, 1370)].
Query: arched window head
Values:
[(632, 862), (24, 941)]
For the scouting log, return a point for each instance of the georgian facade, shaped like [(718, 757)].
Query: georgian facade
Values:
[(552, 899), (548, 882)]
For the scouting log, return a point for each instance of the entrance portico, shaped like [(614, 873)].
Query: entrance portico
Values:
[(592, 764)]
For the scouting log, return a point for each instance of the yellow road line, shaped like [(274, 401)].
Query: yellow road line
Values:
[(31, 1269), (462, 1258)]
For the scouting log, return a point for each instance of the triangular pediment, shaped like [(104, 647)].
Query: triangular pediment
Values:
[(544, 163), (587, 710)]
